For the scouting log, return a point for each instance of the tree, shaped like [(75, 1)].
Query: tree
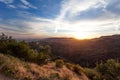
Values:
[(23, 51)]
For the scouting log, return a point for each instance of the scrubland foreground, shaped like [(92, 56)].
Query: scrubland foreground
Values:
[(16, 69)]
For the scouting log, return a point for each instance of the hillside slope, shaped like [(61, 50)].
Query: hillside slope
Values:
[(14, 68), (84, 52)]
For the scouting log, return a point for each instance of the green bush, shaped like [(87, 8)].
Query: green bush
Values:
[(91, 73), (23, 51), (109, 70), (59, 63), (42, 58), (45, 49), (76, 68)]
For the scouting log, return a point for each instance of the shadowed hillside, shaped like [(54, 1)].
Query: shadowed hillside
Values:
[(84, 52)]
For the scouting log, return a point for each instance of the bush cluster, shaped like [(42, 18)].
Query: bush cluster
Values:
[(22, 50), (109, 70), (59, 63), (76, 68)]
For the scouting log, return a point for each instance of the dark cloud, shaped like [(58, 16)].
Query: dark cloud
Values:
[(14, 26), (114, 7)]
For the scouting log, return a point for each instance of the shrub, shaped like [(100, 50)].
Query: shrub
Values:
[(109, 70), (14, 68), (45, 49), (9, 64), (7, 71), (23, 51), (42, 58), (78, 69), (59, 63), (44, 78), (70, 66), (55, 76), (66, 77), (91, 73)]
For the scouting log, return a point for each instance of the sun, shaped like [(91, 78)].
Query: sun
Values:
[(81, 35)]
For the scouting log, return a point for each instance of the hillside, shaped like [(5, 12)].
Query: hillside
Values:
[(56, 59), (19, 61), (14, 68), (84, 52)]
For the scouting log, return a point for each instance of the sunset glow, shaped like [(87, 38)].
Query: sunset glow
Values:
[(60, 18), (81, 35)]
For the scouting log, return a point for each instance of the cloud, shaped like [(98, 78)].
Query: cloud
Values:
[(7, 1), (16, 28), (25, 14), (36, 27), (43, 27), (77, 17), (23, 6), (72, 8), (27, 4), (16, 33), (81, 12), (11, 6)]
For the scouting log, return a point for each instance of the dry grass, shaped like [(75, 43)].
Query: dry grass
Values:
[(17, 69)]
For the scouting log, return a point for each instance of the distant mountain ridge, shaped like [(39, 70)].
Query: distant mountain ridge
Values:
[(116, 36)]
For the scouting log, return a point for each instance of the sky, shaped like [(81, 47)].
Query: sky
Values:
[(81, 19)]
